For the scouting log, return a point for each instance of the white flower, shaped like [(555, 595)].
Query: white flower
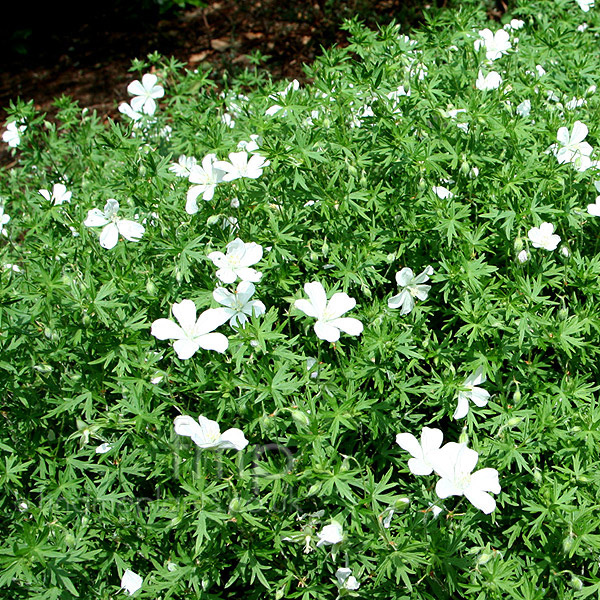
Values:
[(239, 166), (544, 237), (239, 306), (206, 178), (145, 93), (58, 196), (413, 287), (524, 108), (329, 313), (491, 81), (236, 263), (103, 449), (207, 434), (571, 144), (251, 146), (581, 28), (228, 120), (125, 109), (346, 579), (523, 256), (496, 44), (594, 209), (585, 5), (442, 192), (131, 581), (11, 267), (515, 24), (330, 534), (12, 135), (431, 440), (454, 463), (540, 70), (192, 334), (113, 225), (183, 166), (4, 219), (471, 392)]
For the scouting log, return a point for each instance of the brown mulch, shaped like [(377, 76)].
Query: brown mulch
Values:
[(88, 58)]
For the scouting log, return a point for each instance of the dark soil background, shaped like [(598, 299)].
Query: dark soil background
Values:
[(84, 50)]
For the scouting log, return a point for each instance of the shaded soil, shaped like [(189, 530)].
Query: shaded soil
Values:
[(62, 50)]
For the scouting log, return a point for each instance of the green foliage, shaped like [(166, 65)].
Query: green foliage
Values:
[(347, 200)]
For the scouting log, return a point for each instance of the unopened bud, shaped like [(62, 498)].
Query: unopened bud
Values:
[(300, 418), (150, 287), (518, 245), (576, 583)]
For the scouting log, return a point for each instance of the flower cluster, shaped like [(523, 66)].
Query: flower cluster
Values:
[(454, 464)]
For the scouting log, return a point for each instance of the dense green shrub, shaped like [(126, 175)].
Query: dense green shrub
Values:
[(392, 158)]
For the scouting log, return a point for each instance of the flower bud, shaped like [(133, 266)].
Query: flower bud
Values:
[(537, 476), (563, 313), (513, 421), (517, 395), (300, 418), (518, 245), (568, 544), (523, 256), (150, 287), (464, 437), (576, 583), (213, 220)]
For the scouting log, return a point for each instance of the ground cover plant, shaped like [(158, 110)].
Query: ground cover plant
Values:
[(272, 340)]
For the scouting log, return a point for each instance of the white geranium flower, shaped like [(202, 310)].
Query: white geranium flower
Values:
[(183, 166), (471, 392), (491, 81), (571, 145), (330, 534), (412, 287), (594, 209), (524, 109), (496, 44), (423, 453), (515, 24), (544, 237), (207, 434), (12, 135), (237, 262), (206, 178), (131, 582), (251, 146), (58, 196), (145, 92), (240, 166), (238, 305), (454, 463), (441, 192), (113, 225), (523, 256), (103, 448), (585, 5), (329, 313), (4, 219), (345, 579), (191, 334)]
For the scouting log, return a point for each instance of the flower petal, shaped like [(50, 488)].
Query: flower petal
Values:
[(186, 425), (165, 329), (185, 348), (214, 341), (339, 304), (130, 230), (185, 313), (233, 438), (317, 296), (327, 332), (209, 320), (109, 236), (348, 325), (95, 217), (480, 499)]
